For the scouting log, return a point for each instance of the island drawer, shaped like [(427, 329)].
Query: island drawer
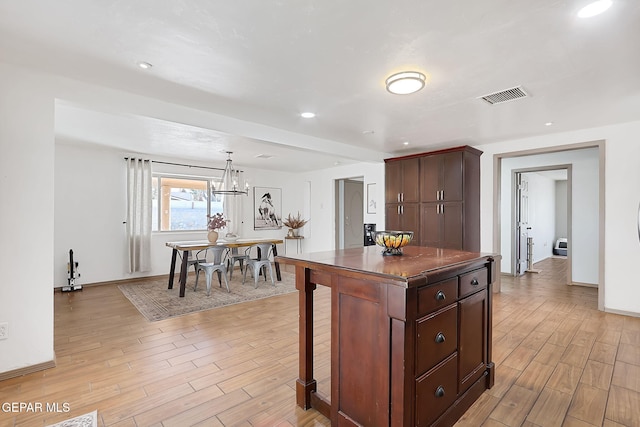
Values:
[(437, 338), (436, 391), (438, 295), (473, 281)]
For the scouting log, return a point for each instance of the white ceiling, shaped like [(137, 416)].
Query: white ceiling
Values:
[(249, 67)]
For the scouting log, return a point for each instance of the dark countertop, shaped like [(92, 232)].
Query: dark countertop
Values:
[(416, 261)]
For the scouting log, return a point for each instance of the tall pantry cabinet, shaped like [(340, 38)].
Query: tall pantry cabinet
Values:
[(437, 196)]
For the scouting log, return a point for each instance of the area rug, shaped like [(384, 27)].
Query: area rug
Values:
[(155, 302), (86, 420)]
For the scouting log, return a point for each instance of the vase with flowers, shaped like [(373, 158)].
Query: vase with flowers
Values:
[(295, 223), (215, 223)]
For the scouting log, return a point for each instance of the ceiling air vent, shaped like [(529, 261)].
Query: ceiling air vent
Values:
[(504, 95)]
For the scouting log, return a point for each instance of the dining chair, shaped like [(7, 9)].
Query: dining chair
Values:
[(194, 259), (233, 257), (218, 264), (261, 263)]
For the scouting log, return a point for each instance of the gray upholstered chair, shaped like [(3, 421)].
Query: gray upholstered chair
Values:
[(261, 263), (218, 264)]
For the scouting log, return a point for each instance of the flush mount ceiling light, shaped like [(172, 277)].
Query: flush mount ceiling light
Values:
[(405, 82), (144, 65), (595, 8), (308, 115)]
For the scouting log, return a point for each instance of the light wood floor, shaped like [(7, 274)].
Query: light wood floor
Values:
[(559, 362)]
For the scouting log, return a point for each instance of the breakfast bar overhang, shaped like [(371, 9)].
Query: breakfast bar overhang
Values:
[(410, 334)]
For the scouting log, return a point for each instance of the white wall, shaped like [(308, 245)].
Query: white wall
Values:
[(26, 217), (542, 204), (561, 210), (622, 193)]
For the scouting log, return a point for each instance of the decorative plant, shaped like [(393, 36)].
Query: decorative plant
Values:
[(294, 222), (216, 222)]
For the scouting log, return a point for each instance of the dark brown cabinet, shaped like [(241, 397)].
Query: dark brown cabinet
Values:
[(402, 194), (452, 342), (441, 225), (441, 177), (402, 181), (404, 216), (448, 188)]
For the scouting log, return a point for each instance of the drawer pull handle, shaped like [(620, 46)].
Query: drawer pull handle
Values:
[(474, 282), (440, 337), (440, 391), (440, 296)]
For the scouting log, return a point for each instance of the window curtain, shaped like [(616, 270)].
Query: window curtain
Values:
[(139, 214)]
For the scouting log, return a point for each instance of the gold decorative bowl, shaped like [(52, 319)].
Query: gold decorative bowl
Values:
[(392, 241)]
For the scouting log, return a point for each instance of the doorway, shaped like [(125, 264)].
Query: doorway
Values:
[(588, 195), (541, 215), (349, 212)]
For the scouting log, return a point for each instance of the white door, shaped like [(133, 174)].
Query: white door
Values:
[(522, 222)]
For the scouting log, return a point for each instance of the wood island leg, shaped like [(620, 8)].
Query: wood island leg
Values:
[(305, 384)]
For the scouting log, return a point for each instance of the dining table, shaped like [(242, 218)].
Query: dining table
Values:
[(196, 245)]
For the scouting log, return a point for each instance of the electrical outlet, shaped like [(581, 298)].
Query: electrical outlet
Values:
[(4, 330)]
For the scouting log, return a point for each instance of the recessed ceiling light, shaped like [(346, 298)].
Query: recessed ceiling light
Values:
[(405, 143), (144, 65), (368, 132), (308, 115), (548, 123), (405, 82), (595, 8)]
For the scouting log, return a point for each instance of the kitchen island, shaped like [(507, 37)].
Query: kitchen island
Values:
[(410, 334)]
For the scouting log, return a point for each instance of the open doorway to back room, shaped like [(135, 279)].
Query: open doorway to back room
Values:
[(541, 217), (585, 223)]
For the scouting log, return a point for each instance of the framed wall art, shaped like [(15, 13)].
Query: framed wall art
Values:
[(372, 204), (267, 208)]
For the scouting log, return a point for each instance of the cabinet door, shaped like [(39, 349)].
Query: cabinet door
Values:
[(430, 171), (410, 181), (452, 176), (392, 217), (472, 335), (410, 221), (393, 181), (430, 224), (402, 181), (451, 225), (405, 217)]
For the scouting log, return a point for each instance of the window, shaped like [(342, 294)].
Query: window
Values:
[(182, 203)]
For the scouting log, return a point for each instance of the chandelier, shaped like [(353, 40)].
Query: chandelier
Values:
[(232, 181)]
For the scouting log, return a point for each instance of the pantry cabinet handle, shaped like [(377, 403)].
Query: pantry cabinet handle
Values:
[(440, 338), (440, 391)]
